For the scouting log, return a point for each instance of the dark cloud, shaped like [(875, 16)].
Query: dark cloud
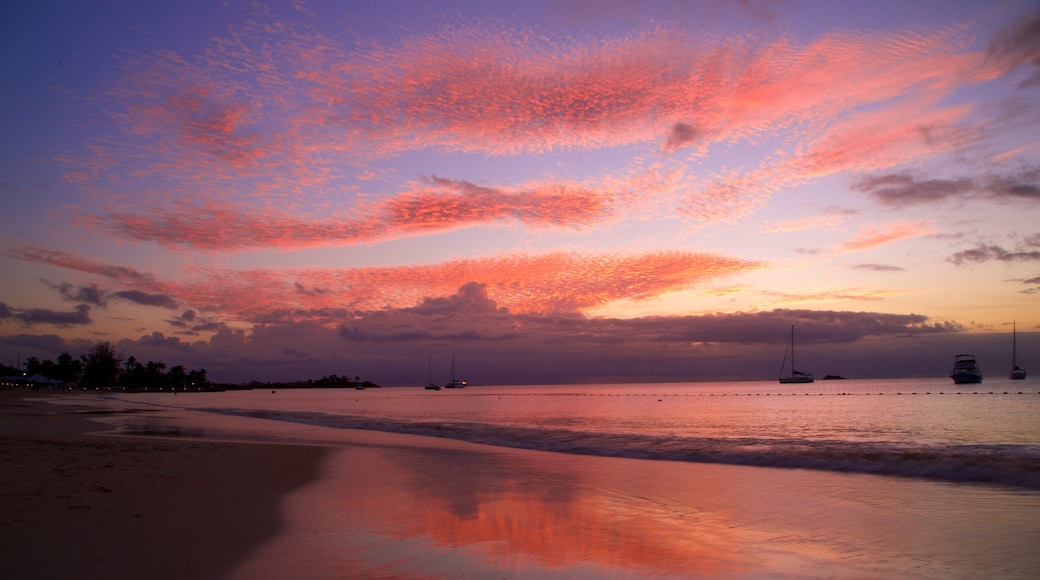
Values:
[(146, 299), (90, 294), (471, 316), (79, 316), (393, 347), (5, 311), (311, 291), (905, 189), (877, 267), (158, 339), (193, 324), (1019, 44), (298, 354), (1029, 251), (681, 135), (41, 345), (472, 297)]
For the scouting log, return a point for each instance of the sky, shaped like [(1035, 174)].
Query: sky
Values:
[(550, 192)]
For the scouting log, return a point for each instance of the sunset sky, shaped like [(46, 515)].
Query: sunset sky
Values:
[(554, 191)]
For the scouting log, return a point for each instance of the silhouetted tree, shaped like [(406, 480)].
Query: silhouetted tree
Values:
[(153, 374), (68, 368), (197, 379), (101, 366), (177, 377)]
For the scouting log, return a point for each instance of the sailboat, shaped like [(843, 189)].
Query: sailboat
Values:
[(795, 376), (455, 383), (430, 386), (1016, 373)]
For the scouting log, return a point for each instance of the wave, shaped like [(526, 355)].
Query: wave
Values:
[(1014, 465)]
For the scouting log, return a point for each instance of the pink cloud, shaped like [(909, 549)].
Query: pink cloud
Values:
[(865, 142), (67, 260), (556, 282), (433, 206), (262, 138), (878, 235)]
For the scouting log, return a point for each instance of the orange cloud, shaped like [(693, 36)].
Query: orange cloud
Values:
[(438, 205), (556, 282), (878, 235)]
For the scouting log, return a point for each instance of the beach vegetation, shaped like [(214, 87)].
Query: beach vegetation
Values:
[(100, 366)]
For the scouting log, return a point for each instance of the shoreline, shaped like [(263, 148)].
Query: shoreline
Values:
[(390, 505), (74, 503)]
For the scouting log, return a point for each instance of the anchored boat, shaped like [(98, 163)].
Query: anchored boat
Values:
[(796, 376), (965, 370), (1016, 373)]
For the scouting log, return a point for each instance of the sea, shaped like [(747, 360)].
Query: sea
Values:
[(919, 428), (914, 478)]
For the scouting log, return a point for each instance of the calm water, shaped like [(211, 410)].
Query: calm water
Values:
[(917, 427), (896, 479)]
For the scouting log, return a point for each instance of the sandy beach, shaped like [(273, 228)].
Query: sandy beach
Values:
[(365, 504), (76, 505)]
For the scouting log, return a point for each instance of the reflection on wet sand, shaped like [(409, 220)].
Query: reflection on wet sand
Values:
[(400, 506), (459, 511), (510, 508)]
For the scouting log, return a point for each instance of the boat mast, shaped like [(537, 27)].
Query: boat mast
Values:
[(1014, 347), (793, 367)]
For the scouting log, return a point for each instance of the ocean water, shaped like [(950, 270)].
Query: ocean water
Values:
[(917, 428), (842, 479)]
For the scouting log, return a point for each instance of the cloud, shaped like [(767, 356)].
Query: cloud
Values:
[(872, 236), (299, 123), (551, 282), (906, 131), (30, 316), (67, 260), (436, 205), (471, 315), (1019, 44), (89, 294), (831, 221), (1028, 251), (905, 189), (146, 299), (522, 283), (682, 134), (878, 267)]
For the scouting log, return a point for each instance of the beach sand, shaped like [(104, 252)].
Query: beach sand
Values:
[(383, 505), (75, 505)]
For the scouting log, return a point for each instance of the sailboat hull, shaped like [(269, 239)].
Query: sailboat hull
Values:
[(796, 380)]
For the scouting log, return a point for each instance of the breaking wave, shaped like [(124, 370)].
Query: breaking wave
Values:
[(1015, 465)]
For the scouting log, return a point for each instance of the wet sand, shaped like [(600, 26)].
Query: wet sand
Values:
[(389, 506), (381, 505), (76, 505)]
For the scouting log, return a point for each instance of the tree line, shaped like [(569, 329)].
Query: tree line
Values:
[(101, 367)]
